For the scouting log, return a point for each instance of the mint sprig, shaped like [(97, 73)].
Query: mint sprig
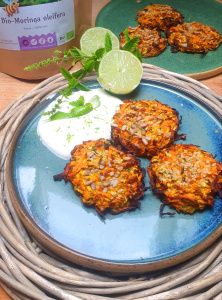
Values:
[(131, 45), (88, 63)]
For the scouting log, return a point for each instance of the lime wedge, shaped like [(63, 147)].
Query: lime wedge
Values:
[(119, 72), (94, 38)]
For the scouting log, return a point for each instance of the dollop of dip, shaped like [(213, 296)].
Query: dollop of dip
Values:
[(62, 135)]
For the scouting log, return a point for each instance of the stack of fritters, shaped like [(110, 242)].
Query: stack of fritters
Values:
[(151, 43), (145, 127), (185, 177), (159, 16), (105, 177), (193, 37)]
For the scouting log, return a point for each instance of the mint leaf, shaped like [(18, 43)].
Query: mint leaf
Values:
[(82, 87), (67, 92), (108, 43), (131, 45), (99, 53), (138, 54), (77, 53), (79, 102), (126, 35), (66, 74), (96, 67), (89, 65), (81, 73), (73, 82)]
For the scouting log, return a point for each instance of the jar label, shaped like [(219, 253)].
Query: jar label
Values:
[(25, 25)]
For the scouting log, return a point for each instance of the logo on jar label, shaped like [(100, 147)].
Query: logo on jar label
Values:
[(11, 7), (62, 39)]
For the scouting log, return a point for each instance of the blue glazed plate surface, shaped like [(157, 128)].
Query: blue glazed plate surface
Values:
[(138, 237)]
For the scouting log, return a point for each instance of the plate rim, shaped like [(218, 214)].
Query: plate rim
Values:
[(105, 265), (85, 260)]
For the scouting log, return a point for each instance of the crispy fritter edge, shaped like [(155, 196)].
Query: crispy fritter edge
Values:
[(139, 196), (171, 24), (176, 47), (132, 149), (161, 194)]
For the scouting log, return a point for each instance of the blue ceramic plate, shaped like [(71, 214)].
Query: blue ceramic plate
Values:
[(130, 242)]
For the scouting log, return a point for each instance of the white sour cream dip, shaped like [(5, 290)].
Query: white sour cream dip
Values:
[(61, 136)]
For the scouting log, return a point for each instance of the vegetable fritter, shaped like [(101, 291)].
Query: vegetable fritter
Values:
[(105, 177), (151, 43), (185, 177), (193, 37), (145, 127), (159, 16)]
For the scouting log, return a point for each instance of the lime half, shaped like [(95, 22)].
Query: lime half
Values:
[(120, 72), (94, 38)]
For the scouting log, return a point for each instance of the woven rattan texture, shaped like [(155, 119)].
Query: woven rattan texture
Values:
[(28, 272)]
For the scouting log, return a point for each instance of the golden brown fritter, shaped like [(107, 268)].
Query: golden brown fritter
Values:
[(151, 43), (193, 37), (185, 177), (145, 127), (105, 177), (159, 16)]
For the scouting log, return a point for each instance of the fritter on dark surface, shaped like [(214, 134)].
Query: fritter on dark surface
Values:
[(159, 16), (185, 177), (105, 177), (145, 127), (193, 37), (151, 43)]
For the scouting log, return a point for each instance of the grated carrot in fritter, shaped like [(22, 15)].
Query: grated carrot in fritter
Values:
[(193, 37), (151, 43), (145, 127), (185, 177), (105, 177), (159, 16)]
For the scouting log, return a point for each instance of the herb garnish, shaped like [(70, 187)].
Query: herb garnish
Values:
[(79, 102), (53, 110), (88, 63), (79, 109), (69, 136)]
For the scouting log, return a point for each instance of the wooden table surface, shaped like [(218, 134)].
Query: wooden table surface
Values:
[(11, 88)]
